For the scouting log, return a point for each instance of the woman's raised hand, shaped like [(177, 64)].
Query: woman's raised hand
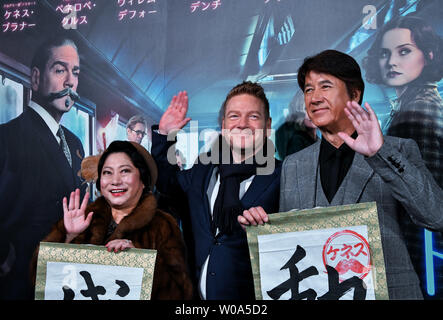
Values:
[(74, 215)]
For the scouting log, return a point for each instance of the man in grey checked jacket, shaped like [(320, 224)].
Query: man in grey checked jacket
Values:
[(354, 163)]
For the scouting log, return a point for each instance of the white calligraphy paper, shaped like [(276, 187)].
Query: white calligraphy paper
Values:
[(112, 282), (345, 249)]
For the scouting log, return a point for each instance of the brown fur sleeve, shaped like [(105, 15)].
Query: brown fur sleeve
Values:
[(57, 234), (171, 278)]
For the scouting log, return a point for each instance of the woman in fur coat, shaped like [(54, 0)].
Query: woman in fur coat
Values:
[(126, 216)]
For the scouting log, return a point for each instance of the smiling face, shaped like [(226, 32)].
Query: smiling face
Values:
[(325, 99), (61, 71), (400, 61), (245, 125), (120, 181)]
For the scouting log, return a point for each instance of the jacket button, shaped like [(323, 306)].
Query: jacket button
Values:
[(212, 273)]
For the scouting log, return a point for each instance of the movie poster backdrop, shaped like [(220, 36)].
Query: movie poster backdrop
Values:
[(136, 54)]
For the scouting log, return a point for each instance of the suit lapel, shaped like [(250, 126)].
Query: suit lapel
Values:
[(208, 179), (258, 186), (307, 171), (204, 178), (49, 145), (354, 184)]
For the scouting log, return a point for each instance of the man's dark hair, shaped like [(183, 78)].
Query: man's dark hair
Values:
[(136, 158), (44, 51), (337, 64), (246, 87)]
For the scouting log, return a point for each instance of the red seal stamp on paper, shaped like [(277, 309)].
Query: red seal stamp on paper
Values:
[(349, 253)]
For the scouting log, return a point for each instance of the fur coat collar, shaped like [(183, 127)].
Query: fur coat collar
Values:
[(139, 218)]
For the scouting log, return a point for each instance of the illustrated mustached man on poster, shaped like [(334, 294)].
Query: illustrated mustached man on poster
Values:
[(39, 162)]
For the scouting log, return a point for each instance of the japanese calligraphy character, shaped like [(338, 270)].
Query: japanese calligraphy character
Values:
[(16, 14), (68, 293), (123, 291), (337, 289), (25, 13), (295, 277), (141, 14), (92, 291), (121, 3), (7, 14)]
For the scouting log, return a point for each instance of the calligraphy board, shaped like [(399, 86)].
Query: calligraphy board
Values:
[(321, 253), (87, 272)]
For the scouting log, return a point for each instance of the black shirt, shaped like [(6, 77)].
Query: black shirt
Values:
[(334, 165)]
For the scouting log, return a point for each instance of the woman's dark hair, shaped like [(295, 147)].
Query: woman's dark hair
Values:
[(137, 160), (424, 37), (337, 64)]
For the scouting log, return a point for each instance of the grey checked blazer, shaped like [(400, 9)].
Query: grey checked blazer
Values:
[(395, 178)]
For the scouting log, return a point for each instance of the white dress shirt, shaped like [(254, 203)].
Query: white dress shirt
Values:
[(47, 118), (244, 185)]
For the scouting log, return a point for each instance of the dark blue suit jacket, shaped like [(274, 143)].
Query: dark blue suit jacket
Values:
[(229, 275), (34, 178)]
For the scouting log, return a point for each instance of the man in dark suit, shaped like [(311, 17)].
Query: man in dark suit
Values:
[(39, 163), (239, 172), (354, 163)]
